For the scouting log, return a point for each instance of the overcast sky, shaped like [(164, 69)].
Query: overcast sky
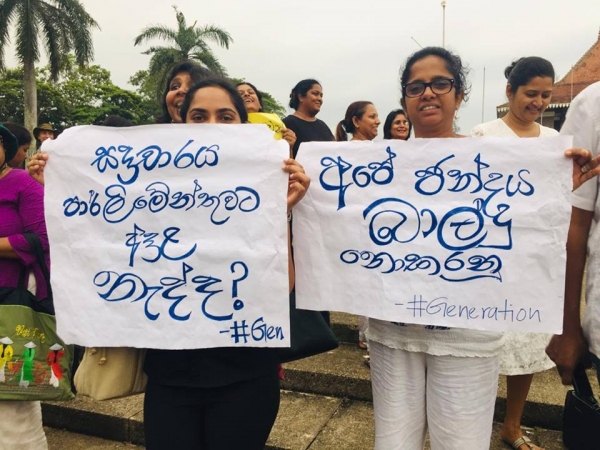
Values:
[(355, 48)]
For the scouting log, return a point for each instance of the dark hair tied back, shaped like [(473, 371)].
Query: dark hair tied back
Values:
[(346, 125), (300, 90), (521, 71), (454, 65)]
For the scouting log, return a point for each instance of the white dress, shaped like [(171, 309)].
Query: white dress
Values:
[(522, 353)]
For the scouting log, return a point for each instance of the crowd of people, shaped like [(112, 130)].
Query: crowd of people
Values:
[(424, 378)]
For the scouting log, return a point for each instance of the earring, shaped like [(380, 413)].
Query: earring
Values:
[(456, 115)]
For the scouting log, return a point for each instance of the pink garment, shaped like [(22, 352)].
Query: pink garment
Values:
[(22, 211)]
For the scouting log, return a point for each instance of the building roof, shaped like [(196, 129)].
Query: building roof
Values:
[(585, 72)]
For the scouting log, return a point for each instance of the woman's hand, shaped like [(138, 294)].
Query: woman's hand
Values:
[(585, 166), (290, 137), (36, 165), (298, 182)]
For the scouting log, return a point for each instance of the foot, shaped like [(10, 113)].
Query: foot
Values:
[(518, 441), (362, 345)]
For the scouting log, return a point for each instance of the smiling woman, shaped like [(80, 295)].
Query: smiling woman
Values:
[(529, 91), (361, 121), (307, 98)]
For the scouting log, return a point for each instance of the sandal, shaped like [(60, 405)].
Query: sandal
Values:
[(523, 440), (362, 345)]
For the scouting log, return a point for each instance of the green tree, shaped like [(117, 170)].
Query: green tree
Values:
[(185, 42), (62, 25), (81, 96)]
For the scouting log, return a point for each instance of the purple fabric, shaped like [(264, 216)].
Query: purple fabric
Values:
[(22, 211)]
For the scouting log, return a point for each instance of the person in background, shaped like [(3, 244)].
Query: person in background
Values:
[(182, 76), (306, 99), (43, 133), (21, 211), (117, 121), (24, 140), (253, 101), (361, 121), (581, 337), (529, 91), (397, 125)]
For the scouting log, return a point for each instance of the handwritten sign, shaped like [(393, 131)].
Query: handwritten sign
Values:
[(464, 233), (169, 236)]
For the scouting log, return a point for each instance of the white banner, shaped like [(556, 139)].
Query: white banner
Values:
[(465, 233), (169, 236)]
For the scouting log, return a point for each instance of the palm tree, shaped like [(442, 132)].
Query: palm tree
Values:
[(187, 42), (63, 26)]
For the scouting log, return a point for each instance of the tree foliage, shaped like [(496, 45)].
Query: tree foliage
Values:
[(60, 26), (82, 95), (184, 42)]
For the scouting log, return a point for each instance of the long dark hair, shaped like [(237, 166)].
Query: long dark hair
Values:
[(387, 126), (197, 73), (235, 96)]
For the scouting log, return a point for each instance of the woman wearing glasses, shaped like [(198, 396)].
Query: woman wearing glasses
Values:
[(529, 91), (444, 379)]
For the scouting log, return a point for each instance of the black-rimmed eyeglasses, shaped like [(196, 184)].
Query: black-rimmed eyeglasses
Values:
[(439, 86)]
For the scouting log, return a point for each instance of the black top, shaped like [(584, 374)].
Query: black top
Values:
[(209, 367), (307, 131)]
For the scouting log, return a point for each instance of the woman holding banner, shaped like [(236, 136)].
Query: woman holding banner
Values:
[(440, 378), (306, 99), (218, 398), (529, 91)]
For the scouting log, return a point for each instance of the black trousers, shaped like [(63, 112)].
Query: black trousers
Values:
[(237, 416)]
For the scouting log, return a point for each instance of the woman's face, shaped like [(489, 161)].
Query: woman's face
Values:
[(366, 126), (531, 99), (431, 114), (178, 87), (212, 104), (19, 157), (400, 127), (250, 98), (313, 100)]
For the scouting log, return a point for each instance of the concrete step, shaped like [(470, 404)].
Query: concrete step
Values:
[(66, 440), (305, 422), (345, 326), (342, 373)]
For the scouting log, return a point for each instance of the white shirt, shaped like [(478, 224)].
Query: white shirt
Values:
[(583, 122)]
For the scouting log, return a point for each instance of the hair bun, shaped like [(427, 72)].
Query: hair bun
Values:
[(510, 68)]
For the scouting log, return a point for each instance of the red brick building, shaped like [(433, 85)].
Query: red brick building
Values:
[(585, 72)]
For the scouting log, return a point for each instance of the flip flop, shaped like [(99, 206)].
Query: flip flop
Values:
[(523, 440)]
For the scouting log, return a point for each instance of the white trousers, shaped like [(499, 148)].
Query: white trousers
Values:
[(454, 397), (21, 426)]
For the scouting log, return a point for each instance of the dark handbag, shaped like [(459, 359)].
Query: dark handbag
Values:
[(581, 428), (34, 363), (310, 334)]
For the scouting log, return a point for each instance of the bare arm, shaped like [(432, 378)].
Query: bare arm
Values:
[(6, 250), (568, 349)]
